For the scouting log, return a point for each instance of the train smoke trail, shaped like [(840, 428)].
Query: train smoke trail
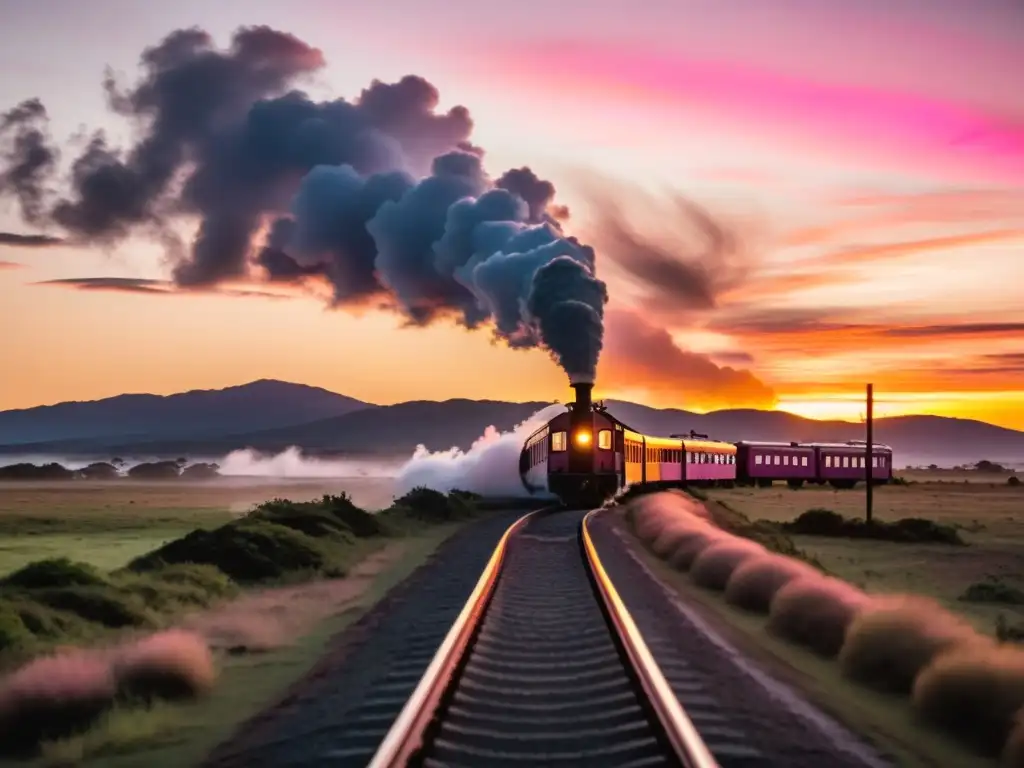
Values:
[(490, 467), (383, 197)]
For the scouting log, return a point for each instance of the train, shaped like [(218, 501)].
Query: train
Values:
[(585, 455)]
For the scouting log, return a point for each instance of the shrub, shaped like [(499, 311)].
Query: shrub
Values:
[(207, 578), (247, 551), (200, 471), (309, 519), (26, 471), (688, 549), (174, 587), (99, 470), (756, 580), (916, 530), (426, 505), (973, 692), (1013, 480), (105, 605), (53, 698), (818, 522), (893, 638), (167, 665), (993, 591), (157, 470), (54, 572), (365, 525), (713, 567), (815, 612), (13, 632)]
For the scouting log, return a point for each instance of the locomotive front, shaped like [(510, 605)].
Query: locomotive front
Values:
[(585, 472)]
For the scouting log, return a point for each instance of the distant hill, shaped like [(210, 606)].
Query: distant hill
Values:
[(83, 426), (271, 416)]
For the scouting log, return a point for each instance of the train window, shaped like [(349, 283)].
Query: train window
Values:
[(776, 460), (558, 441), (846, 461), (785, 460), (803, 461), (604, 439), (758, 458)]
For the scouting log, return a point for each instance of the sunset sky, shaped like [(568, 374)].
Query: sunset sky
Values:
[(847, 177)]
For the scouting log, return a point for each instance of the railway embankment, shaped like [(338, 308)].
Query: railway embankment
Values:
[(915, 678)]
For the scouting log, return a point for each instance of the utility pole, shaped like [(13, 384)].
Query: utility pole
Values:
[(869, 454)]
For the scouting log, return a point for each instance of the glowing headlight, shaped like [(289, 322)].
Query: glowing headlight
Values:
[(583, 437)]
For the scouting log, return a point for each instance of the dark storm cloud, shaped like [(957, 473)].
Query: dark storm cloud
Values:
[(29, 241), (383, 196), (27, 157)]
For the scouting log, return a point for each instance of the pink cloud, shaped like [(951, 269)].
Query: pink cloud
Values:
[(914, 131)]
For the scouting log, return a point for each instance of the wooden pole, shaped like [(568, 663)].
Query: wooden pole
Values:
[(869, 455)]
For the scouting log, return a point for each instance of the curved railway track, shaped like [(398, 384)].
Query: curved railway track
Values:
[(544, 666)]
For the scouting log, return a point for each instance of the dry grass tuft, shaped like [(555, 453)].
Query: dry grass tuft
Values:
[(815, 612), (757, 579), (713, 567), (53, 697), (894, 637), (973, 692), (652, 513), (176, 664), (673, 534), (689, 548)]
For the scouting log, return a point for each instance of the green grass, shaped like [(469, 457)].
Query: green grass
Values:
[(179, 736)]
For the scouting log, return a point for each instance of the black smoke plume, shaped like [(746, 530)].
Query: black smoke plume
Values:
[(383, 196), (27, 157)]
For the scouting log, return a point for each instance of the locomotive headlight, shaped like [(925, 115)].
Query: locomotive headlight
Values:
[(583, 437)]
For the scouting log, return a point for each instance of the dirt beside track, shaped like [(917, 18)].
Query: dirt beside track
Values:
[(341, 710)]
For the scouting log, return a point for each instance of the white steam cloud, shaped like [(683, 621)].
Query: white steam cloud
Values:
[(490, 467), (290, 463)]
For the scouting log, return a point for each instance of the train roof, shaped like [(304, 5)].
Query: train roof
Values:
[(853, 445), (771, 444)]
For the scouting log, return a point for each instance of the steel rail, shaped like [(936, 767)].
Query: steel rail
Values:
[(680, 730), (406, 735), (409, 733)]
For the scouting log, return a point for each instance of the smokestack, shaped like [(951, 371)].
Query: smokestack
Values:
[(583, 398)]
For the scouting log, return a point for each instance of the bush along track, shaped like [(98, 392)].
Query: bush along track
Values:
[(126, 655), (965, 684)]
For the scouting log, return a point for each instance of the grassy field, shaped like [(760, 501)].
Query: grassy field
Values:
[(988, 514), (884, 719), (106, 524), (174, 736)]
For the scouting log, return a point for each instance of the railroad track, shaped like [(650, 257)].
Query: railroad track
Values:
[(544, 666)]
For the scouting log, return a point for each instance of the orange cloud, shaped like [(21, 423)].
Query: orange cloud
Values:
[(861, 253), (639, 356), (10, 265)]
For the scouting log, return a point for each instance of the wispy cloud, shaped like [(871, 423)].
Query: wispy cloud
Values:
[(10, 265), (155, 287), (29, 241)]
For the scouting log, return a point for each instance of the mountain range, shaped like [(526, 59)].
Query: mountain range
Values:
[(270, 416)]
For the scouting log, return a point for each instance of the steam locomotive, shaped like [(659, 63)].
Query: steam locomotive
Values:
[(585, 455)]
